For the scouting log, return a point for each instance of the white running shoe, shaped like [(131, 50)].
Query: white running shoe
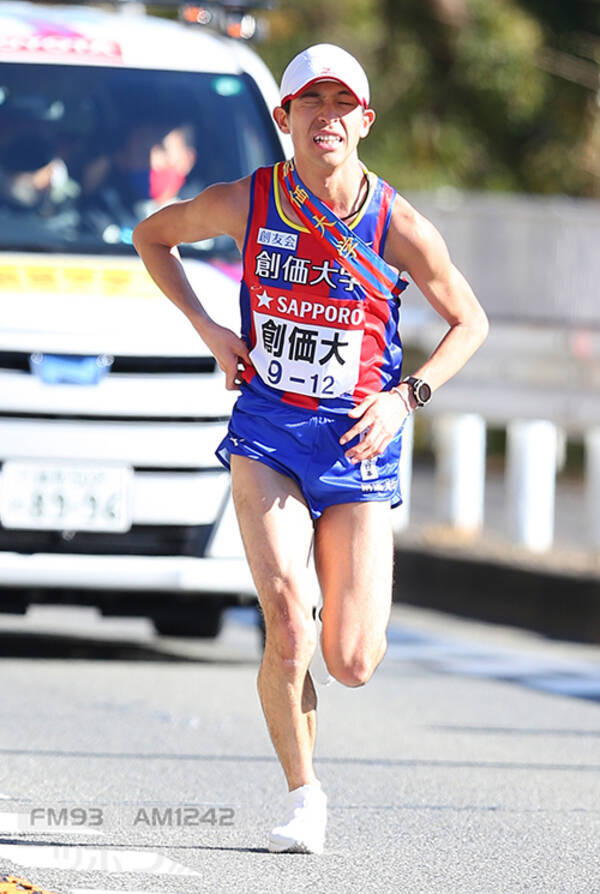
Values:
[(303, 830), (317, 667)]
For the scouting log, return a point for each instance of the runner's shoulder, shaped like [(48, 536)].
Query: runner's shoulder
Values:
[(226, 204), (409, 229), (234, 195), (405, 216)]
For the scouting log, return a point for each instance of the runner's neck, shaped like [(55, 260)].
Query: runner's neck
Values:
[(342, 189)]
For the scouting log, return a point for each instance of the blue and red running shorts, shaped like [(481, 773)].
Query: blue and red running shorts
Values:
[(304, 445)]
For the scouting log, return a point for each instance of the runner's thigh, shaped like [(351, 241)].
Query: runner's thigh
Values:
[(353, 557), (277, 532)]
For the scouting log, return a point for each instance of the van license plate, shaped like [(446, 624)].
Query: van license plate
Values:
[(59, 496)]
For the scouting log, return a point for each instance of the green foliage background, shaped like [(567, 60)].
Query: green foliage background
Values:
[(477, 94)]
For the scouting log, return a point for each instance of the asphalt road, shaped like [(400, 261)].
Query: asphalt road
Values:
[(133, 763)]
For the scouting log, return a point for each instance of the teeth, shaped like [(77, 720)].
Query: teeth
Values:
[(331, 139)]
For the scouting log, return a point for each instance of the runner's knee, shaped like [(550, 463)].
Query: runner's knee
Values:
[(290, 629), (352, 673), (355, 668)]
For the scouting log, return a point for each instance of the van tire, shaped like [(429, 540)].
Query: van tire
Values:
[(203, 621)]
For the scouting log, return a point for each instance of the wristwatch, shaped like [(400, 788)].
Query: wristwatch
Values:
[(420, 389)]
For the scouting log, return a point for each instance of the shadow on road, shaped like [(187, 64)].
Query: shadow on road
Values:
[(80, 845), (52, 645)]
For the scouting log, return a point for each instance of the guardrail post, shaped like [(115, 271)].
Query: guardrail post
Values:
[(530, 482), (592, 484), (459, 444), (401, 515)]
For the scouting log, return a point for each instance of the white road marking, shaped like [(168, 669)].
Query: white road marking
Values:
[(580, 686), (84, 859), (561, 676)]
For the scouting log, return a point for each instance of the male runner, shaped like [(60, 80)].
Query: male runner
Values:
[(314, 438)]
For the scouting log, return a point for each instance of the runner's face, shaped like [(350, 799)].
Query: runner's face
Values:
[(326, 123)]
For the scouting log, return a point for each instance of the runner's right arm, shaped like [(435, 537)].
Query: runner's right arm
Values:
[(220, 209)]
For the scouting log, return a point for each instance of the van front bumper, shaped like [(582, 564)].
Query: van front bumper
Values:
[(178, 574)]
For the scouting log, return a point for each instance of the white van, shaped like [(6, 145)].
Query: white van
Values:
[(111, 406)]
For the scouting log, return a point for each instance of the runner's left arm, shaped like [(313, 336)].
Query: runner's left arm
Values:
[(413, 244)]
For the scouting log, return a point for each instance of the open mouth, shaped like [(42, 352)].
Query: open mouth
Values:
[(327, 140)]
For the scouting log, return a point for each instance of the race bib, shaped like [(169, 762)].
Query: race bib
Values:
[(306, 345)]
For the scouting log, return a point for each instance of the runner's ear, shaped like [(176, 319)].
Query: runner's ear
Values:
[(281, 119), (367, 122)]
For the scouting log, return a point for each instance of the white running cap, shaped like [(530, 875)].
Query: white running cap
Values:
[(324, 62)]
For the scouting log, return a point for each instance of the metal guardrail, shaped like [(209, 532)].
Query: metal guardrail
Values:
[(534, 264), (530, 259)]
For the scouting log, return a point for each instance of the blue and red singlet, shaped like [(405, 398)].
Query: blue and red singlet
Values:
[(319, 345)]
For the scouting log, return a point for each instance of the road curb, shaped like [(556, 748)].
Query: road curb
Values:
[(559, 605)]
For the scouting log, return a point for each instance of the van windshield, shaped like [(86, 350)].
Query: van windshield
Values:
[(88, 152)]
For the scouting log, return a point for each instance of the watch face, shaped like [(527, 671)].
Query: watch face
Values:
[(422, 392)]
